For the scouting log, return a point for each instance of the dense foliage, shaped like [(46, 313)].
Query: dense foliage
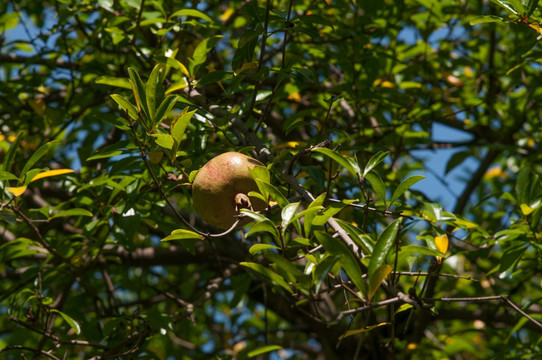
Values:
[(109, 108)]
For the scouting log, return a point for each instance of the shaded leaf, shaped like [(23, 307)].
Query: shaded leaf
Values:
[(378, 185), (383, 245), (274, 277), (348, 261), (182, 234), (362, 330), (72, 212), (377, 277)]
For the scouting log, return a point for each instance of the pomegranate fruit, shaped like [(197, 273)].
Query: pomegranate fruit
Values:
[(221, 189)]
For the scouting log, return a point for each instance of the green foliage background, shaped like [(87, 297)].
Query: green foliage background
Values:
[(335, 97)]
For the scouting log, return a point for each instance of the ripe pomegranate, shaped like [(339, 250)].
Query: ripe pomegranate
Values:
[(221, 186)]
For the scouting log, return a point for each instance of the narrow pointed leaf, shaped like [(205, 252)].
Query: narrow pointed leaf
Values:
[(383, 245), (182, 234), (377, 277), (73, 324), (193, 13), (164, 108), (163, 140), (269, 274), (288, 213), (348, 261), (126, 106), (36, 156), (50, 173), (377, 184), (10, 156), (72, 212), (139, 91), (404, 186), (263, 350), (155, 79), (345, 162), (375, 160)]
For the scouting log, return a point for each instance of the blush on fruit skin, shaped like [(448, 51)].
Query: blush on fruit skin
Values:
[(217, 184)]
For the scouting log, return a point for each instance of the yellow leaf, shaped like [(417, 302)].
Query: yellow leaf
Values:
[(49, 173), (226, 14), (382, 83), (16, 191), (442, 243), (294, 97), (526, 209)]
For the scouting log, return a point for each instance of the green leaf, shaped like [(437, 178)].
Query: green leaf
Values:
[(256, 248), (154, 80), (456, 159), (522, 182), (486, 19), (179, 125), (361, 239), (182, 234), (272, 191), (321, 271), (404, 186), (309, 217), (6, 175), (72, 212), (73, 324), (508, 5), (288, 214), (422, 250), (347, 260), (348, 163), (165, 107), (215, 76), (362, 330), (114, 81), (163, 140), (202, 50), (374, 161), (126, 106), (192, 13), (378, 185), (331, 210), (174, 63), (274, 277), (264, 226), (36, 156), (377, 277), (140, 92), (383, 245), (263, 350), (13, 149)]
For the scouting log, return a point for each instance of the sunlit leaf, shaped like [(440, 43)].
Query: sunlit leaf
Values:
[(441, 242), (348, 163), (263, 350), (404, 186), (49, 173), (73, 324), (16, 191), (126, 106), (374, 161), (181, 234)]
